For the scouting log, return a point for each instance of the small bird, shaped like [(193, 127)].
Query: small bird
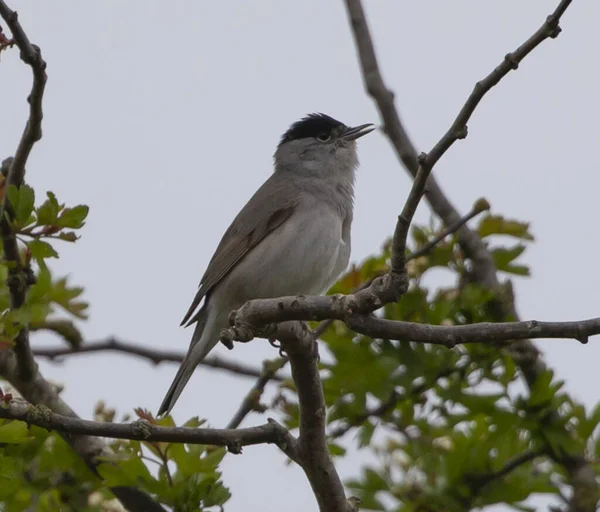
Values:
[(291, 238)]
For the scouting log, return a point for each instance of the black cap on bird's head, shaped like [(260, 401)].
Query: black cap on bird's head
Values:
[(323, 128)]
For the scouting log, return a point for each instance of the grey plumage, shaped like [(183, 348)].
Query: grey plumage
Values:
[(292, 237)]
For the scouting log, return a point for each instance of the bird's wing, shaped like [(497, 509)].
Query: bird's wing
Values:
[(271, 205)]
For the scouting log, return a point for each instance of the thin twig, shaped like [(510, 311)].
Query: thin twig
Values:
[(482, 480), (481, 205), (388, 405), (153, 355), (251, 401), (31, 55)]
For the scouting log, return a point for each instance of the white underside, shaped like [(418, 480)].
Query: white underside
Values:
[(307, 259)]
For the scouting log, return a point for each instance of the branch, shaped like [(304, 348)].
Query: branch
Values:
[(14, 169), (153, 355), (257, 317), (312, 450), (479, 481), (31, 55), (141, 430), (480, 206), (251, 401)]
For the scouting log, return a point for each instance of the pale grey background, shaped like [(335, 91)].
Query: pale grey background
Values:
[(163, 118)]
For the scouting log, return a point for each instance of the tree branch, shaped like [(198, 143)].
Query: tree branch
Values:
[(258, 316), (312, 450), (30, 55), (481, 480), (153, 355), (14, 169), (141, 430), (251, 401)]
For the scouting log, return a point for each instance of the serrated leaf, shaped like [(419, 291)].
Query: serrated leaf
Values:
[(73, 217), (503, 256), (47, 212), (217, 496), (41, 250), (498, 225), (22, 200)]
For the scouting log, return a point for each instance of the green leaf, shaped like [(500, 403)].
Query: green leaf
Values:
[(10, 481), (14, 432), (47, 213), (126, 472), (336, 450), (41, 250), (498, 225), (22, 200), (541, 392), (505, 255), (68, 236), (73, 217), (587, 427), (217, 495)]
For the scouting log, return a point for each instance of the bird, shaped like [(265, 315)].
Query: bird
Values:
[(291, 238)]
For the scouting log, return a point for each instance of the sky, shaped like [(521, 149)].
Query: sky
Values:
[(164, 121)]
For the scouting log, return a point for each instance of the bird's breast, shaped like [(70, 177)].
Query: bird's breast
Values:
[(303, 256)]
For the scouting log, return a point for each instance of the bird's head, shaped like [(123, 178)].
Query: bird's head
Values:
[(319, 144)]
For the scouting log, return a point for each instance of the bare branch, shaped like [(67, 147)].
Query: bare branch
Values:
[(313, 453), (480, 206), (251, 401), (258, 317), (31, 55), (140, 430), (153, 355)]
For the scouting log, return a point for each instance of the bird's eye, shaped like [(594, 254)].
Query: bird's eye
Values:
[(323, 137)]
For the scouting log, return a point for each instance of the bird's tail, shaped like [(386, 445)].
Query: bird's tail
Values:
[(198, 350)]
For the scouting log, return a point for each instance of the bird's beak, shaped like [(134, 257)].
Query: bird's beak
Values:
[(354, 132)]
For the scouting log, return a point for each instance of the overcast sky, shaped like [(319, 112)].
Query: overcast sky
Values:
[(163, 117)]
